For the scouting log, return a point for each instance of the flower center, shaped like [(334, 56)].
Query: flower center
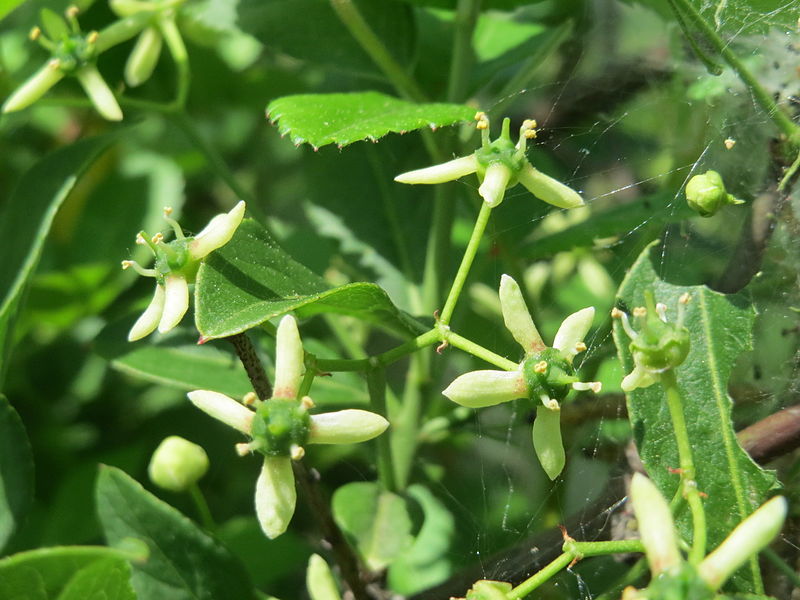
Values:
[(280, 424), (548, 373)]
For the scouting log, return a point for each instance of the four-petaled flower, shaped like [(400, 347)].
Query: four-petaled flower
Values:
[(281, 426), (673, 577), (72, 53), (175, 267), (500, 164), (656, 344), (545, 374)]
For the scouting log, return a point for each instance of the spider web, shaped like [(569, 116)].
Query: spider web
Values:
[(677, 130)]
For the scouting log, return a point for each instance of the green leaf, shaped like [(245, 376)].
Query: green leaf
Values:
[(50, 573), (53, 24), (184, 563), (721, 328), (6, 6), (174, 359), (16, 471), (107, 579), (310, 30), (320, 119), (26, 221), (377, 521), (251, 279), (738, 17), (426, 563)]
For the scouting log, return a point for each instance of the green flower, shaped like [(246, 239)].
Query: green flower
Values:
[(73, 53), (175, 267), (673, 577), (656, 344), (500, 165), (546, 374), (280, 427)]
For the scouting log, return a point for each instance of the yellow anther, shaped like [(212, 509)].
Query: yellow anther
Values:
[(530, 134), (140, 239), (540, 367), (127, 264), (72, 12), (92, 37), (685, 298), (550, 403), (480, 116), (729, 143), (580, 347), (157, 238), (167, 211), (307, 402), (595, 386), (35, 34), (640, 311), (616, 313), (297, 452), (54, 64), (249, 399)]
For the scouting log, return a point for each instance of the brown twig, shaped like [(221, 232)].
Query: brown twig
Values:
[(305, 478), (773, 436)]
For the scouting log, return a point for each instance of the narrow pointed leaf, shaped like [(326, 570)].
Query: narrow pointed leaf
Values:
[(720, 328), (16, 472)]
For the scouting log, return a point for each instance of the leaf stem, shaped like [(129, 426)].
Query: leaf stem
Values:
[(202, 507), (761, 96), (463, 56), (688, 483), (376, 386), (466, 263), (573, 552), (353, 20)]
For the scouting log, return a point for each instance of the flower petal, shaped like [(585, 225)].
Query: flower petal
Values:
[(749, 538), (656, 527), (319, 580), (144, 57), (572, 330), (493, 188), (288, 359), (638, 378), (217, 233), (346, 427), (148, 321), (34, 88), (176, 302), (99, 93), (548, 189), (516, 316), (547, 441), (223, 408), (448, 171), (486, 388), (275, 495)]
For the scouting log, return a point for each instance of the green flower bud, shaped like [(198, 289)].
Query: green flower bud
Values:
[(706, 194), (144, 57), (319, 580), (486, 589), (177, 464)]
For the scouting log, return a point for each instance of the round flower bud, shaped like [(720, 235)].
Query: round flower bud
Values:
[(177, 464), (706, 194)]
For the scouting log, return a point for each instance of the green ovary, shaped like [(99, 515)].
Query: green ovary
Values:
[(554, 381), (280, 424)]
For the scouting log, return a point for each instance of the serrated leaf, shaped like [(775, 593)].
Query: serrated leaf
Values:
[(26, 221), (184, 562), (174, 359), (320, 119), (45, 573), (721, 329), (16, 471), (252, 279), (377, 521)]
